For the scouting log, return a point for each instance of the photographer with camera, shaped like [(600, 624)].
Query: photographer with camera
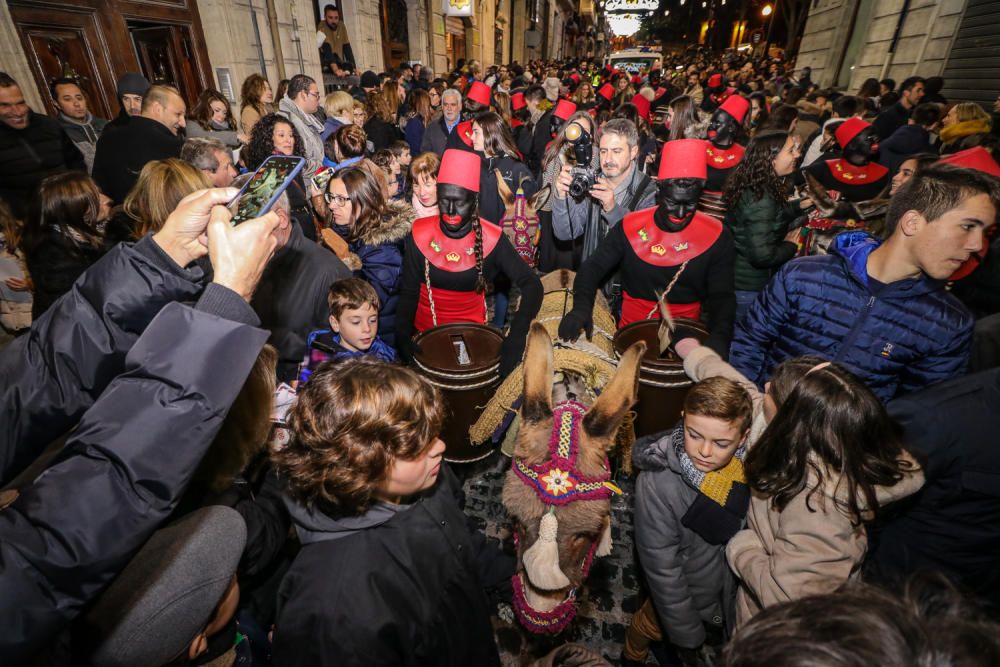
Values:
[(588, 203)]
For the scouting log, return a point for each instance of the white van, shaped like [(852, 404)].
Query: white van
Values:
[(634, 60)]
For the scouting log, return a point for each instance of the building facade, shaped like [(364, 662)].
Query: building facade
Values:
[(848, 41)]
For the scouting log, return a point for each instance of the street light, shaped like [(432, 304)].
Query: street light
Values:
[(766, 10)]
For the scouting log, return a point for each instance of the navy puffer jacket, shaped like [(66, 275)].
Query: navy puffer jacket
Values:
[(909, 335)]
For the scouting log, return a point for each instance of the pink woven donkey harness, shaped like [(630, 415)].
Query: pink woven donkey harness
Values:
[(521, 228), (558, 482)]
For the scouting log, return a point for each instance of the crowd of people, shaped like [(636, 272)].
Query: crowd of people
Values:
[(839, 248)]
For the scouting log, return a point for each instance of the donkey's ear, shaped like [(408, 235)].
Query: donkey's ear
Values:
[(620, 394), (537, 200), (538, 368), (505, 194)]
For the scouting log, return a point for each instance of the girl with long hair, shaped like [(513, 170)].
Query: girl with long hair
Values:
[(63, 235), (275, 135), (758, 212), (212, 117), (966, 125), (829, 460), (685, 120), (492, 138), (584, 95), (381, 112), (374, 230), (256, 100), (501, 101), (449, 260), (758, 110), (419, 117)]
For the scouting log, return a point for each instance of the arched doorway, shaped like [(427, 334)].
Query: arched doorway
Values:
[(395, 34)]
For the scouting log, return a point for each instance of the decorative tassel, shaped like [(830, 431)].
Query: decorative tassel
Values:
[(604, 546), (541, 561)]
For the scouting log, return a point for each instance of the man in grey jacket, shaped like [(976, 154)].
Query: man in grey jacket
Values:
[(298, 106), (620, 188)]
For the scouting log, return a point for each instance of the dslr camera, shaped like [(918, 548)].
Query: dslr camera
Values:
[(584, 176)]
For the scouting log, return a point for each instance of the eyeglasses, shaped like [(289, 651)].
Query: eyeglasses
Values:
[(336, 199), (316, 94)]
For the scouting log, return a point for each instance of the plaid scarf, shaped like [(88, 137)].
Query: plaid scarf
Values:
[(718, 511)]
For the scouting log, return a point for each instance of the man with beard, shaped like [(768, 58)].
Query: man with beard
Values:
[(335, 36), (671, 252)]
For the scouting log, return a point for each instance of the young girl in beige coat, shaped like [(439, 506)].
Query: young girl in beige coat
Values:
[(819, 469)]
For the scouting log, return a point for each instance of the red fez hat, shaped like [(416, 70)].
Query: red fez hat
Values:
[(460, 168), (607, 91), (849, 129), (682, 158), (715, 81), (575, 77), (977, 158), (641, 105), (564, 109), (517, 101), (736, 106), (479, 92)]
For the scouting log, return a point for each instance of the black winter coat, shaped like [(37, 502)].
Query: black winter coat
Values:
[(54, 266), (122, 472), (405, 590), (53, 374), (953, 523), (123, 151), (291, 299), (29, 155), (759, 227), (381, 133)]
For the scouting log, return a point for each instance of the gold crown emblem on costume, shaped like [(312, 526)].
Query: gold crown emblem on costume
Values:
[(658, 250), (452, 257), (679, 247)]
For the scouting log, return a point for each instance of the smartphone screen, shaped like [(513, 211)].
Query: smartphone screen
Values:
[(260, 193)]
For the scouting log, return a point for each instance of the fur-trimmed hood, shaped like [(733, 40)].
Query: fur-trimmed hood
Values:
[(393, 228)]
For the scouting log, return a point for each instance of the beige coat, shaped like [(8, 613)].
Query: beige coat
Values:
[(796, 552)]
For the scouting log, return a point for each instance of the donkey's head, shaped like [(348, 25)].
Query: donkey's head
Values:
[(558, 491)]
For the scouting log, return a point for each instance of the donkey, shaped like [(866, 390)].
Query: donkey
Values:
[(520, 218), (558, 491)]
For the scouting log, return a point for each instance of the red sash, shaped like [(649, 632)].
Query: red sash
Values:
[(450, 306), (634, 309), (845, 172), (724, 158), (515, 123), (446, 253), (654, 246)]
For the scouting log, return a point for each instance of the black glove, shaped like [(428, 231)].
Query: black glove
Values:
[(679, 333), (575, 320)]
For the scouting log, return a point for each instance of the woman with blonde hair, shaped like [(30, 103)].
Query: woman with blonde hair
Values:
[(965, 126), (161, 186), (501, 101), (381, 124), (339, 108), (584, 95), (256, 100)]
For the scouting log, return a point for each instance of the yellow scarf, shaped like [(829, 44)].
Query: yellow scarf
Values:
[(957, 131)]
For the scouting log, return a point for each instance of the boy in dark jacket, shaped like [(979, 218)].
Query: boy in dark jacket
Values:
[(389, 572), (691, 496), (353, 331)]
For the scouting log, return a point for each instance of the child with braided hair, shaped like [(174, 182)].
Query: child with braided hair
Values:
[(450, 258)]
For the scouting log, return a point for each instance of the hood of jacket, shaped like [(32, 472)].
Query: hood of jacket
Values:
[(855, 247), (312, 525), (393, 227), (809, 108), (655, 452)]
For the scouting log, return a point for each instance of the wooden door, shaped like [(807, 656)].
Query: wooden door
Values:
[(395, 33), (65, 43), (164, 54)]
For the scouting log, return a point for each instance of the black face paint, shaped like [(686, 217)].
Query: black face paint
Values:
[(555, 124), (722, 129), (676, 202), (457, 207), (861, 149)]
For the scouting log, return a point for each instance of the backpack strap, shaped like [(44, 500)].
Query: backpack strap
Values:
[(639, 191)]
